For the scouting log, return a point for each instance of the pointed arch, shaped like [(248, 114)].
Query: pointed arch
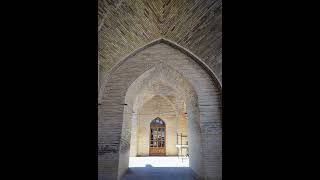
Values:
[(152, 43), (204, 113)]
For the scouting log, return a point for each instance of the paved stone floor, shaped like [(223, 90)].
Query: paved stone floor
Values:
[(158, 168), (159, 173)]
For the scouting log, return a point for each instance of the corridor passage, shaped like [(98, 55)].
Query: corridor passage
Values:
[(159, 173)]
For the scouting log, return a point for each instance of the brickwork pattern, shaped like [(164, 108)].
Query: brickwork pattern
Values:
[(160, 62), (127, 25)]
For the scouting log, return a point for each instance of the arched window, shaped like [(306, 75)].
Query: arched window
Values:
[(157, 137)]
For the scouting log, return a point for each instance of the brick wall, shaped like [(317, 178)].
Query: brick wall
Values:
[(161, 62)]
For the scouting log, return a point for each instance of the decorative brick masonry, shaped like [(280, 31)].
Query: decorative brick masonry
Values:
[(179, 70), (127, 25)]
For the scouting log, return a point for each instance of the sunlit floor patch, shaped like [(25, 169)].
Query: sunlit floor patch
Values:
[(158, 161)]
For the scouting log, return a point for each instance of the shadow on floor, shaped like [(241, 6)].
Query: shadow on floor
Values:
[(159, 173)]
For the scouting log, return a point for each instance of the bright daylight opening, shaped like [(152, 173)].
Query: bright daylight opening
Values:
[(174, 161)]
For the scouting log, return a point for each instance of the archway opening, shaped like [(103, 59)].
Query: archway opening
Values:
[(162, 92), (154, 144), (190, 93)]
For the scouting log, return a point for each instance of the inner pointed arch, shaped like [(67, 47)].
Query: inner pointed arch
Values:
[(161, 73)]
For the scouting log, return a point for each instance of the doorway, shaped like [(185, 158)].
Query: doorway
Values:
[(157, 145)]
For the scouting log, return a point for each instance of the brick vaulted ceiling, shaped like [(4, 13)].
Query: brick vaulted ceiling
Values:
[(127, 25)]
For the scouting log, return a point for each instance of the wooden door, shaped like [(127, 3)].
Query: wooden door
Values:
[(157, 138)]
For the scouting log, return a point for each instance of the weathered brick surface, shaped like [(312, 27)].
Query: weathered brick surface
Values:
[(160, 62), (127, 25)]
